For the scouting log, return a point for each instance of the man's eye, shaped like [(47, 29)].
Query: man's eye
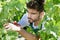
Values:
[(33, 13)]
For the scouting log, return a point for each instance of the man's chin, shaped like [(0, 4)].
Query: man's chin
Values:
[(30, 21)]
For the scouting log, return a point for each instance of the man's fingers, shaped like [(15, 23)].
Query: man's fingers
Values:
[(6, 24), (6, 27)]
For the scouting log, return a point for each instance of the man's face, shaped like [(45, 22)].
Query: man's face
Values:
[(33, 15)]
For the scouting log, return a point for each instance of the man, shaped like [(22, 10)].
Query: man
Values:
[(34, 15)]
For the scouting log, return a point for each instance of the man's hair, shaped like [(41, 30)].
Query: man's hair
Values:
[(36, 4)]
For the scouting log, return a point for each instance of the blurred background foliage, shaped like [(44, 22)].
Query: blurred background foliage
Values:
[(13, 10)]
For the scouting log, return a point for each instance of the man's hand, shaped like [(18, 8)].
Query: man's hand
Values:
[(13, 27)]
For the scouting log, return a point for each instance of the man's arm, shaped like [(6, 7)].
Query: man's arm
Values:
[(27, 35)]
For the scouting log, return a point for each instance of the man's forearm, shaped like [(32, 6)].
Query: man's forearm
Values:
[(27, 35)]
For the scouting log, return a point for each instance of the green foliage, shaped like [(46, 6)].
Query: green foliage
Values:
[(10, 10), (13, 10)]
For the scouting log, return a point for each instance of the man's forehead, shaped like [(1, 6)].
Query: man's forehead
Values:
[(32, 10)]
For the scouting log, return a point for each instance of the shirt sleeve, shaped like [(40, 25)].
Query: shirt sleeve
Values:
[(24, 20)]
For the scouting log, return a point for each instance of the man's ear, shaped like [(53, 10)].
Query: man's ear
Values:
[(42, 15)]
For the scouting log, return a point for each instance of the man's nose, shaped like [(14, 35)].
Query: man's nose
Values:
[(29, 15)]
